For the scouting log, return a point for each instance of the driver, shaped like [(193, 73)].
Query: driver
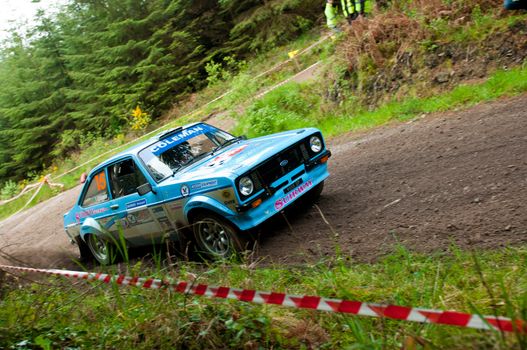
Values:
[(178, 156)]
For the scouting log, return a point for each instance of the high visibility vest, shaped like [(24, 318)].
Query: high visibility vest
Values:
[(331, 15), (350, 7)]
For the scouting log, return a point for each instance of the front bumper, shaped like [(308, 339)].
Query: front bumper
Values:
[(298, 182)]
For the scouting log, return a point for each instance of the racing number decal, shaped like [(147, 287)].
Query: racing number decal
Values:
[(100, 180)]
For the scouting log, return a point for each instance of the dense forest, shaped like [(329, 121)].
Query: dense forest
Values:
[(83, 70)]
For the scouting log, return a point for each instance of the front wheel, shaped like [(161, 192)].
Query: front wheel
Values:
[(102, 250), (315, 193), (216, 238)]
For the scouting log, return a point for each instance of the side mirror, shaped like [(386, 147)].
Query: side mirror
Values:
[(243, 137), (144, 189)]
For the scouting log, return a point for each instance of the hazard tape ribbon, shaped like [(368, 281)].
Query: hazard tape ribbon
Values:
[(452, 318)]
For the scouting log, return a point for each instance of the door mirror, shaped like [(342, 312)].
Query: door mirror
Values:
[(144, 189), (243, 137)]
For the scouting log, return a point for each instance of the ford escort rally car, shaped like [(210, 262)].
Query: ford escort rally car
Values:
[(194, 182)]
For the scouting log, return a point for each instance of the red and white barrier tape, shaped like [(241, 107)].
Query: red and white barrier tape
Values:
[(38, 186), (452, 318)]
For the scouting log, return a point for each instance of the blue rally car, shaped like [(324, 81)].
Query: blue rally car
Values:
[(194, 182)]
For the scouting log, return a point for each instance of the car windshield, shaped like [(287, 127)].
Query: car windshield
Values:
[(180, 148)]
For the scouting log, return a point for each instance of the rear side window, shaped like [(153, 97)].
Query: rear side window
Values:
[(125, 177), (97, 190)]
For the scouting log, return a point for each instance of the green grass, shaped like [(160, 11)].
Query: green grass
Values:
[(499, 84), (294, 105), (66, 313), (481, 27)]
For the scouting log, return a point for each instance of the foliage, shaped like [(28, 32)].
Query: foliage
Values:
[(342, 98), (217, 71), (9, 190), (94, 315), (287, 107), (69, 141), (295, 106), (78, 72), (140, 119)]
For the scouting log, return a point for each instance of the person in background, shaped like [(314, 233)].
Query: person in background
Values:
[(331, 12), (350, 8), (515, 4)]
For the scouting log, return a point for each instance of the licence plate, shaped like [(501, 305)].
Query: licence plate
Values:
[(293, 185)]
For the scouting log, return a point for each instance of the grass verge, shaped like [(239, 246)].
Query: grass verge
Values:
[(294, 105), (56, 313)]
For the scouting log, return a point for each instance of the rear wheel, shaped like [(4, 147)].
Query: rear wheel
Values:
[(102, 250), (216, 238)]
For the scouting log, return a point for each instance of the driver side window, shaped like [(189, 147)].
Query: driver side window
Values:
[(125, 177), (97, 190)]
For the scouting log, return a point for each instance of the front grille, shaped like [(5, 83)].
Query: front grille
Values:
[(280, 164)]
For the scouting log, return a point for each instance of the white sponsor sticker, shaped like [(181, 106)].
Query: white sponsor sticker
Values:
[(185, 190), (200, 185)]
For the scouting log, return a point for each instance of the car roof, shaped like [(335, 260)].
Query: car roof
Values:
[(133, 150)]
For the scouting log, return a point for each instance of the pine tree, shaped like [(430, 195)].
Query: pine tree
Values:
[(33, 103)]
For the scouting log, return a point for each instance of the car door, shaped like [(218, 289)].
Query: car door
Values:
[(94, 203), (133, 215)]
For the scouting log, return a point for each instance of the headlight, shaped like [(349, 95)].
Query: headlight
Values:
[(246, 186), (315, 144)]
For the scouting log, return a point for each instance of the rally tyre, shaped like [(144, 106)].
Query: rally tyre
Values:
[(216, 238), (102, 250), (84, 250), (315, 193)]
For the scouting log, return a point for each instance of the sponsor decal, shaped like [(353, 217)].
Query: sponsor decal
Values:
[(137, 218), (280, 203), (201, 185), (185, 191), (219, 160), (173, 140), (132, 219), (136, 204), (229, 202), (90, 212)]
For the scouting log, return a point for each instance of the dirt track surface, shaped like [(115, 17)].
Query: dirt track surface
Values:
[(458, 177)]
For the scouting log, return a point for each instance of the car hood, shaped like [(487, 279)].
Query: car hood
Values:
[(240, 157)]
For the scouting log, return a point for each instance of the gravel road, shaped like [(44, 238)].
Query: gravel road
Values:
[(448, 178)]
